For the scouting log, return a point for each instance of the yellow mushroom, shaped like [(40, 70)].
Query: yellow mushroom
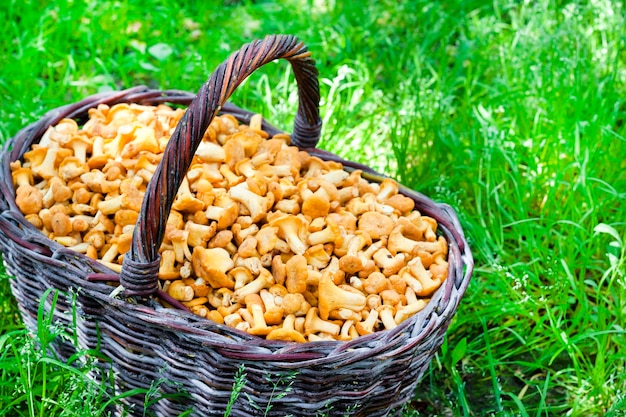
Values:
[(264, 280), (287, 332), (144, 140), (29, 199), (351, 262), (331, 297), (273, 313), (388, 263), (210, 152), (294, 230), (296, 274), (367, 326), (386, 313), (295, 303), (375, 224), (212, 265), (72, 167), (255, 307), (179, 291), (185, 200), (314, 324), (257, 205)]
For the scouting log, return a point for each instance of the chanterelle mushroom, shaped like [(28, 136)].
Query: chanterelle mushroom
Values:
[(332, 297), (212, 265), (294, 230), (375, 224), (287, 332), (257, 205), (29, 199)]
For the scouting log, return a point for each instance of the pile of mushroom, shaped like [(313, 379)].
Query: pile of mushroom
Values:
[(262, 237)]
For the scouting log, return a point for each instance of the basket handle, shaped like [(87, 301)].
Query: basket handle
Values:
[(139, 275)]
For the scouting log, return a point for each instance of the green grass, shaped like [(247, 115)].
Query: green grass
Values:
[(511, 112)]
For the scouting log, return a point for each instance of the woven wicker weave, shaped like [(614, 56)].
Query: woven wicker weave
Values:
[(369, 376)]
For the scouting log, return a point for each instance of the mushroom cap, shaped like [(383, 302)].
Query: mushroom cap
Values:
[(278, 290), (188, 203), (144, 162), (328, 188), (401, 203), (391, 297), (123, 242), (314, 165), (387, 262), (60, 191), (210, 152), (317, 205), (120, 113), (61, 224), (36, 155), (266, 239), (286, 335), (439, 271), (221, 239), (98, 161), (256, 204), (295, 303), (22, 176), (410, 230), (253, 299), (350, 264), (80, 140), (375, 224), (215, 316), (234, 151), (144, 141), (274, 316), (387, 189), (63, 130), (200, 289), (29, 199), (397, 242), (317, 256), (343, 217), (212, 265), (217, 279), (376, 283), (214, 258), (228, 216), (125, 217), (196, 301), (294, 230)]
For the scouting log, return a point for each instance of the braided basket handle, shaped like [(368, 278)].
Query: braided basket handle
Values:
[(139, 275)]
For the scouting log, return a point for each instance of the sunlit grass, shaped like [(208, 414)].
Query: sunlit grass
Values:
[(513, 113)]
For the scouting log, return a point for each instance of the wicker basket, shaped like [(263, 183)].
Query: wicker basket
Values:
[(369, 376)]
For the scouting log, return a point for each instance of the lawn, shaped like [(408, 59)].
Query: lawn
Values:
[(511, 112)]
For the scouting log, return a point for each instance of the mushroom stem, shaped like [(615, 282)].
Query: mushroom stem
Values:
[(314, 324), (332, 297)]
